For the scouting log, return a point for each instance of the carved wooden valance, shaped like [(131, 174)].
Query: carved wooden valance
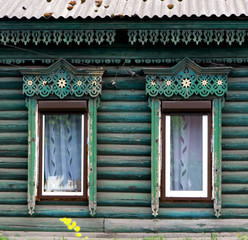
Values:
[(62, 80), (186, 79)]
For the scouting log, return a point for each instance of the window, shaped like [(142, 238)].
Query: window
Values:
[(62, 102), (190, 95), (186, 161), (62, 149)]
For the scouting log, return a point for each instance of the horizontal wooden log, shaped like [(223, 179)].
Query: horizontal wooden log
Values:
[(113, 212), (119, 212), (13, 186), (235, 177), (124, 186), (13, 126), (13, 198), (235, 132), (49, 224), (114, 149), (13, 162), (124, 107), (125, 173), (13, 138), (234, 212), (13, 115), (124, 117), (124, 95), (169, 225), (129, 199), (237, 96), (45, 211), (11, 83), (234, 165), (123, 161), (234, 107), (235, 144), (12, 105), (118, 138), (237, 84), (235, 200), (13, 150), (237, 188), (123, 83), (15, 174), (123, 199), (21, 198), (234, 119), (11, 94), (23, 235), (239, 155), (238, 73), (142, 200), (124, 228), (124, 127)]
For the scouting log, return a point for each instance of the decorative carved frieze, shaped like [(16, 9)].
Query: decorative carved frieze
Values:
[(57, 36), (62, 80), (153, 36), (177, 36), (186, 79)]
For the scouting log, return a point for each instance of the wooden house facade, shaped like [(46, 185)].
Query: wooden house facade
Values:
[(124, 69)]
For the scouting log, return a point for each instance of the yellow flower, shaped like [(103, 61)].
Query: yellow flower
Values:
[(77, 229), (86, 238), (70, 227), (68, 221), (62, 219)]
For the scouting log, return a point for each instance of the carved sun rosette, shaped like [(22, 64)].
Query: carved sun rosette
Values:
[(186, 79), (62, 80)]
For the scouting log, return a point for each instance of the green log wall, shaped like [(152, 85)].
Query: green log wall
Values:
[(124, 139)]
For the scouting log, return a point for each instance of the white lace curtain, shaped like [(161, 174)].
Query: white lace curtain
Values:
[(186, 153), (62, 153)]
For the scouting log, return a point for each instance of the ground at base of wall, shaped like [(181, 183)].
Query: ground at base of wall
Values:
[(20, 235)]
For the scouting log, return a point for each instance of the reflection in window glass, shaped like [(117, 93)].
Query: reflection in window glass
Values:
[(62, 154)]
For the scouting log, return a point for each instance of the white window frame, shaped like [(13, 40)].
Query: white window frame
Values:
[(81, 193), (187, 194)]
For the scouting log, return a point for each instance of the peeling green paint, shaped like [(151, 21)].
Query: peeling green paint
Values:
[(31, 105), (217, 106), (155, 109), (92, 155)]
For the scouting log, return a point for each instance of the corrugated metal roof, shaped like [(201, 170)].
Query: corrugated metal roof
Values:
[(140, 8)]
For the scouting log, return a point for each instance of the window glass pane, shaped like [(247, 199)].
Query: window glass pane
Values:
[(62, 151), (186, 153)]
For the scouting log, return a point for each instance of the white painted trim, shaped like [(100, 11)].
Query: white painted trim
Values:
[(43, 144), (82, 164), (168, 155)]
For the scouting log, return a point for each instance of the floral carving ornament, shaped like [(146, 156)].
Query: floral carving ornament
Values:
[(186, 83), (61, 82)]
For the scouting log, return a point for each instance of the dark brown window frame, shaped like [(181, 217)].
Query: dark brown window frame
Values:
[(190, 108), (62, 107)]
